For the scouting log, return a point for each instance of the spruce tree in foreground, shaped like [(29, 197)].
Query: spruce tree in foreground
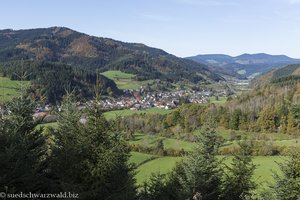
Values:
[(89, 158), (200, 171), (238, 183), (22, 149), (287, 185)]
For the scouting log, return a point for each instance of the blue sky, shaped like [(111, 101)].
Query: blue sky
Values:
[(180, 27)]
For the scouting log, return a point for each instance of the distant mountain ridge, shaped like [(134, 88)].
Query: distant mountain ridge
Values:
[(66, 46), (245, 64)]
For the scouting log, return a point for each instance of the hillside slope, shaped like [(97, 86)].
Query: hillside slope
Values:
[(63, 45), (285, 75), (246, 64), (49, 81)]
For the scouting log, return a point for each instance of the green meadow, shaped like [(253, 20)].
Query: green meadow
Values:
[(10, 89), (169, 143), (125, 80), (218, 101), (265, 165), (123, 113)]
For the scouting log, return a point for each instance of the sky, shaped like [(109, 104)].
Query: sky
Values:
[(180, 27)]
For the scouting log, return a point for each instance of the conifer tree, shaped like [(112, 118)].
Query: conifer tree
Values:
[(90, 159), (237, 182), (22, 148), (200, 171), (287, 185)]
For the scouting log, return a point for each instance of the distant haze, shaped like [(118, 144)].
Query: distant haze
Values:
[(181, 27)]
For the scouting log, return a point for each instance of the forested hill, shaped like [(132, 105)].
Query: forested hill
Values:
[(63, 45), (282, 76), (49, 81), (245, 64)]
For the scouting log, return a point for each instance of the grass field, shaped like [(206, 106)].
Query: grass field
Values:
[(152, 141), (52, 124), (137, 157), (117, 75), (262, 176), (226, 134), (220, 101), (125, 80), (123, 113), (241, 72), (162, 165), (10, 89)]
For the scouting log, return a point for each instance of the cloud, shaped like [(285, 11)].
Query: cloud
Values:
[(208, 2)]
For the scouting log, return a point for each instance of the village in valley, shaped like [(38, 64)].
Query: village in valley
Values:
[(138, 99)]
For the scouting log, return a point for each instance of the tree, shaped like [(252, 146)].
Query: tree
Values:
[(200, 171), (23, 160), (155, 188), (295, 110), (267, 119), (160, 147), (234, 122), (291, 124), (70, 149), (287, 185), (109, 176), (237, 182), (90, 158)]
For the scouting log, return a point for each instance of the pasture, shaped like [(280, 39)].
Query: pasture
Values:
[(125, 81), (10, 89), (127, 112), (265, 165)]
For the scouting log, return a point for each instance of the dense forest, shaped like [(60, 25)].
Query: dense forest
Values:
[(63, 45), (50, 81)]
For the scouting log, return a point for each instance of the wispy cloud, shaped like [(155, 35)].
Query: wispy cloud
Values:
[(208, 2), (156, 17)]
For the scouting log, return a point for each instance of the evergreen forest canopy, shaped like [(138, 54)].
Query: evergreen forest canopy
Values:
[(49, 81), (63, 45)]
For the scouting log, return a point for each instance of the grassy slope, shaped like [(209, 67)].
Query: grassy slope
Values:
[(162, 165), (242, 72), (123, 113), (118, 74), (225, 133), (125, 80), (137, 157), (263, 173), (220, 101), (151, 141), (52, 124), (10, 89)]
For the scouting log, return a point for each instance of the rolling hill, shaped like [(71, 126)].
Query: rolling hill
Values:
[(66, 46), (247, 65), (283, 76)]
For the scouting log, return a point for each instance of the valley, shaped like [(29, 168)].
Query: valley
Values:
[(112, 108)]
